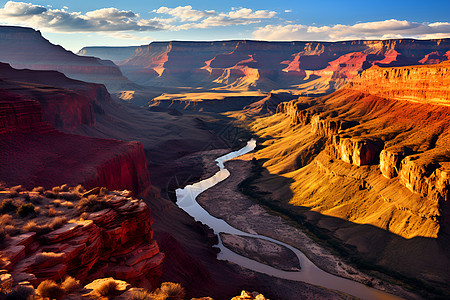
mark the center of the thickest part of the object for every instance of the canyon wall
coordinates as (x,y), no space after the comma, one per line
(66,103)
(305,67)
(423,84)
(34,153)
(369,123)
(26,48)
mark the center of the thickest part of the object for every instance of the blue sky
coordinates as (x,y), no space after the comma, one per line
(74,24)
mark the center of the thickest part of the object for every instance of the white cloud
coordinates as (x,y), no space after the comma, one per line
(288,10)
(112,19)
(241,16)
(56,20)
(185,13)
(368,30)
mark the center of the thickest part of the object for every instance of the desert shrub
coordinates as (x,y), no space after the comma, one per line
(57,223)
(57,203)
(7,206)
(171,290)
(31,226)
(51,212)
(6,220)
(25,210)
(141,294)
(70,285)
(91,204)
(38,189)
(21,293)
(107,289)
(11,230)
(50,289)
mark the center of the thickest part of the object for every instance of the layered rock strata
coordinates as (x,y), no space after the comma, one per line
(116,241)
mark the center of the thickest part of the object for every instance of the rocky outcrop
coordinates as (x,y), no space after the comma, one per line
(308,67)
(356,151)
(391,158)
(116,241)
(26,48)
(127,169)
(422,84)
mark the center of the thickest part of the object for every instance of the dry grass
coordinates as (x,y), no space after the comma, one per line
(57,223)
(70,285)
(172,290)
(141,294)
(31,226)
(91,204)
(50,289)
(6,220)
(107,289)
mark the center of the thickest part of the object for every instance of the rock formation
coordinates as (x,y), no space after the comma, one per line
(422,84)
(306,67)
(26,48)
(375,152)
(115,241)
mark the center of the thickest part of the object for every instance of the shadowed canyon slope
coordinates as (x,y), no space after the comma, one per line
(35,153)
(307,67)
(23,47)
(373,153)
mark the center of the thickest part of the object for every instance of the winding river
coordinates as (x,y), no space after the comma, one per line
(309,273)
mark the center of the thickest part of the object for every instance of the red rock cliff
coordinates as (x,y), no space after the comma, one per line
(116,241)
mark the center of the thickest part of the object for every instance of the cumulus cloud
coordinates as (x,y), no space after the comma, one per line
(112,19)
(60,20)
(211,18)
(368,30)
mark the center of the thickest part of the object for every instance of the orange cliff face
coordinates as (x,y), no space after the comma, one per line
(369,165)
(408,140)
(26,48)
(34,153)
(308,67)
(422,84)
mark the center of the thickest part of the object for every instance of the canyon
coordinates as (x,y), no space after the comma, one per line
(351,165)
(304,68)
